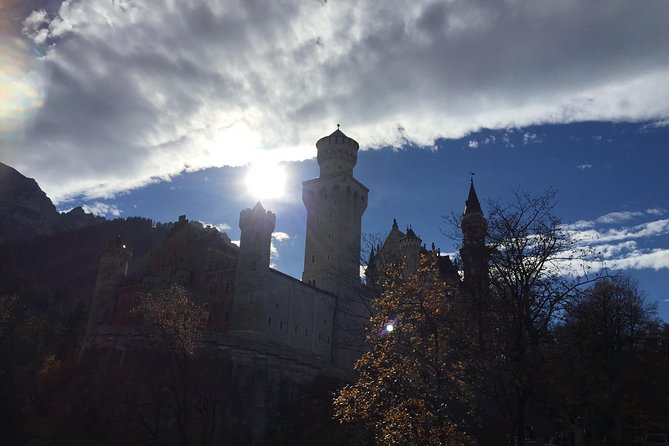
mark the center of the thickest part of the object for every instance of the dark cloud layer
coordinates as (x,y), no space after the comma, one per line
(132,91)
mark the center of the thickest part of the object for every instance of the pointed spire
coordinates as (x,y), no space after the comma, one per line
(472,205)
(258,207)
(395,223)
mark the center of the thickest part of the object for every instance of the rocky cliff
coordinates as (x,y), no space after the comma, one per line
(26,211)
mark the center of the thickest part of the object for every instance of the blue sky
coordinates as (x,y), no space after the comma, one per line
(153,109)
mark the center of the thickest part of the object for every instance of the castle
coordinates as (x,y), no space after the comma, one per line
(254,309)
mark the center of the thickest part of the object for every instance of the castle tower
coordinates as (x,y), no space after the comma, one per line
(112,272)
(248,312)
(475,262)
(335,202)
(410,246)
(474,252)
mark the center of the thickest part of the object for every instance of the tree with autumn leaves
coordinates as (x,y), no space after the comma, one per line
(412,386)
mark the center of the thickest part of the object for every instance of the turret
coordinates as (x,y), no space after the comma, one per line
(335,202)
(257,226)
(337,153)
(112,272)
(410,247)
(475,262)
(474,252)
(248,311)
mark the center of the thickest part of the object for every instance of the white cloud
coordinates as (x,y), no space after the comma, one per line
(618,217)
(277,239)
(139,91)
(280,236)
(619,247)
(473,144)
(649,229)
(221,227)
(584,166)
(654,259)
(100,209)
(530,138)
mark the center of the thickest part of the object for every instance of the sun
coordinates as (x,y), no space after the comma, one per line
(266,180)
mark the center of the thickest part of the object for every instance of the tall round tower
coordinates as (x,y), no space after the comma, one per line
(335,202)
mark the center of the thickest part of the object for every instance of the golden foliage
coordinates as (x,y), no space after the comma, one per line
(411,387)
(175,319)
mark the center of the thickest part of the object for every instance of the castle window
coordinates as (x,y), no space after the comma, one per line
(319,337)
(281,325)
(277,306)
(296,329)
(212,288)
(306,332)
(269,322)
(226,317)
(328,235)
(313,258)
(325,322)
(120,265)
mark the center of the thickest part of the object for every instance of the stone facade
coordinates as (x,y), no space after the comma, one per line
(315,319)
(319,319)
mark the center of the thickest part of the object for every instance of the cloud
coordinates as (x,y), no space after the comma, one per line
(599,245)
(650,229)
(655,259)
(277,239)
(618,217)
(473,144)
(221,227)
(530,138)
(100,209)
(280,236)
(136,92)
(584,166)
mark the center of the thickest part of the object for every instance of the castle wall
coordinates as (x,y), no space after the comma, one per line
(299,315)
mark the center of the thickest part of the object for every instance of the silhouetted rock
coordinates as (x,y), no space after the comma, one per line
(26,211)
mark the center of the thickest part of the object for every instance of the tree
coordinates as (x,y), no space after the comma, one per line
(532,281)
(411,387)
(167,398)
(175,319)
(610,379)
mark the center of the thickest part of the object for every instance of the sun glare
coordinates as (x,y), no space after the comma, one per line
(266,180)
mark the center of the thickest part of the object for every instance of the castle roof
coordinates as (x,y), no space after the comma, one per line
(337,137)
(472,205)
(411,234)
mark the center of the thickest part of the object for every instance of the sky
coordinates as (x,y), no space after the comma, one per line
(162,108)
